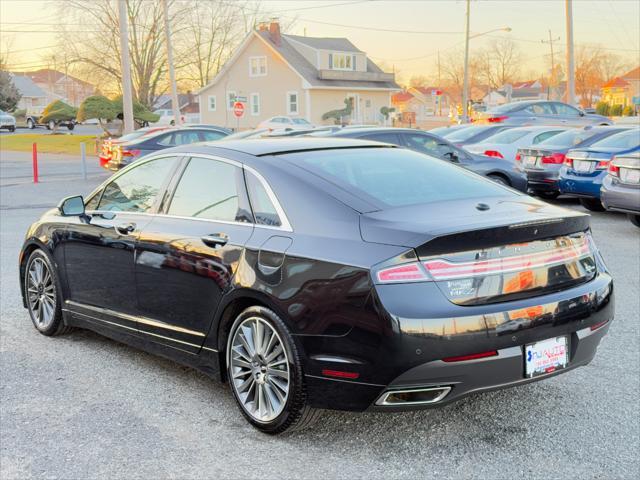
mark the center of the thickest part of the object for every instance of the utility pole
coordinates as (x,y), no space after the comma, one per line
(127,95)
(571,80)
(552,81)
(172,73)
(465,84)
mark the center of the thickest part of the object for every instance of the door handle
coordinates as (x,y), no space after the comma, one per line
(215,240)
(126,228)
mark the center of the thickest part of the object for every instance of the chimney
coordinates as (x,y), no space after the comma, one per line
(263,27)
(274,31)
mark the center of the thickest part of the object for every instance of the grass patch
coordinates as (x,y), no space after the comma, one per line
(47,143)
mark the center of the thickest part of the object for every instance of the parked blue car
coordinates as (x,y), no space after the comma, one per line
(584,169)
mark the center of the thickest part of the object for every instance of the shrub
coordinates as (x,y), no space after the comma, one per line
(58,111)
(616,111)
(628,111)
(602,108)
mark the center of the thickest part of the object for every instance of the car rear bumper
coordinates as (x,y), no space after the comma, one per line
(618,197)
(411,356)
(542,180)
(581,186)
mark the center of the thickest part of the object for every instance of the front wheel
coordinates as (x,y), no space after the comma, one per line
(592,204)
(635,219)
(42,290)
(71,126)
(265,372)
(31,124)
(51,125)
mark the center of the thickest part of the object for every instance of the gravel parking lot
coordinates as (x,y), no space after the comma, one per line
(82,406)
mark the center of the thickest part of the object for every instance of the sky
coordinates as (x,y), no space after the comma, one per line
(404,35)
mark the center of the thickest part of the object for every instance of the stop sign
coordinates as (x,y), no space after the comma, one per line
(238,109)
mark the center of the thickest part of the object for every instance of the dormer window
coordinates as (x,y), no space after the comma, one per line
(342,61)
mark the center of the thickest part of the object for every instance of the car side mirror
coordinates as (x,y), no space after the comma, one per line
(451,156)
(72,206)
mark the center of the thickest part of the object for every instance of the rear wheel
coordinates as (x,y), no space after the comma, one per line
(31,124)
(265,372)
(51,125)
(592,204)
(635,219)
(41,287)
(499,179)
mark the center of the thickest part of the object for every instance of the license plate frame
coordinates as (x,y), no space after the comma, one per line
(546,356)
(582,166)
(530,161)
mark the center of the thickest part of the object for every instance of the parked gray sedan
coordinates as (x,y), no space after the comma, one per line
(620,189)
(7,121)
(541,112)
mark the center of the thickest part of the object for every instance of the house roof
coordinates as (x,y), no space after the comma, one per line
(401,97)
(337,44)
(633,74)
(526,84)
(427,90)
(46,75)
(310,72)
(26,86)
(616,82)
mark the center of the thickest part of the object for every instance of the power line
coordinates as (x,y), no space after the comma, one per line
(373,29)
(322,6)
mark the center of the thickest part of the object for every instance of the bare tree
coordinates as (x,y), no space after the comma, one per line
(594,67)
(499,64)
(452,71)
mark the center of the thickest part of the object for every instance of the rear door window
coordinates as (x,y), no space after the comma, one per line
(210,135)
(264,211)
(212,190)
(545,136)
(566,110)
(540,109)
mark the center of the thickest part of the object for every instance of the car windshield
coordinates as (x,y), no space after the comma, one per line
(622,140)
(133,135)
(467,133)
(397,177)
(506,136)
(570,138)
(300,121)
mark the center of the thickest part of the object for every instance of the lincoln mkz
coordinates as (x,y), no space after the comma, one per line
(323,274)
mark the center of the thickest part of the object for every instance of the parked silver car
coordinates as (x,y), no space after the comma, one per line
(541,112)
(7,121)
(620,190)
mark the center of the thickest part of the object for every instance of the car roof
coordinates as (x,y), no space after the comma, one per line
(275,146)
(363,130)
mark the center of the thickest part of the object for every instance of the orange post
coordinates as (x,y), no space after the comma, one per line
(35,163)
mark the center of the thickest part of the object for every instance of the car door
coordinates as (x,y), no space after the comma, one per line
(568,115)
(99,253)
(189,252)
(540,113)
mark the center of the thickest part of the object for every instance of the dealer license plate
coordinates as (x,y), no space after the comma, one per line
(546,356)
(530,160)
(582,166)
(630,175)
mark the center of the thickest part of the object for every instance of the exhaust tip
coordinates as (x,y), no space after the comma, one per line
(414,396)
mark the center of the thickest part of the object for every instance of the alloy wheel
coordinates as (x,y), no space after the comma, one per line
(259,369)
(41,293)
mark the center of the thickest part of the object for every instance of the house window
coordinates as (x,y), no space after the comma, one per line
(212,103)
(254,99)
(342,61)
(292,103)
(231,99)
(257,66)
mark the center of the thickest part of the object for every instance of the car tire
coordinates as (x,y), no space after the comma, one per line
(43,294)
(547,195)
(71,126)
(51,125)
(12,129)
(592,204)
(172,123)
(499,179)
(31,124)
(269,390)
(635,219)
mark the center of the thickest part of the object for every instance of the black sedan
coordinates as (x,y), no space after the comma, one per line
(124,153)
(497,169)
(323,273)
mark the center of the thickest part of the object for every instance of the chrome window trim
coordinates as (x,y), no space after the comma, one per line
(286,225)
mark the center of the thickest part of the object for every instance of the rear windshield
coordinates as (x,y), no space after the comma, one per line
(132,136)
(446,131)
(506,136)
(624,140)
(467,133)
(397,177)
(570,138)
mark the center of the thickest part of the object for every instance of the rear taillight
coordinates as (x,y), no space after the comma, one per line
(518,157)
(408,272)
(497,119)
(554,158)
(603,164)
(613,169)
(493,153)
(568,162)
(130,153)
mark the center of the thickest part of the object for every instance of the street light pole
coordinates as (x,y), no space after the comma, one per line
(127,95)
(571,79)
(465,83)
(172,73)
